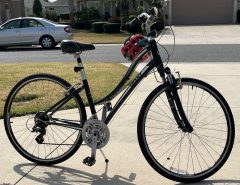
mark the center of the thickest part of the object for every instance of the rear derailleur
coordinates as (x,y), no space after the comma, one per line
(40,126)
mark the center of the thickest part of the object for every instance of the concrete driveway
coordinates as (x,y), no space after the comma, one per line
(212,34)
(127,164)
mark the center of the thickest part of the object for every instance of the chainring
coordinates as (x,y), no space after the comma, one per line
(99,129)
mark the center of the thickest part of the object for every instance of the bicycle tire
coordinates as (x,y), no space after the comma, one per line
(24,101)
(156,127)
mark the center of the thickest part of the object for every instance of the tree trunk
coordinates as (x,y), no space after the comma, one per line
(22,8)
(124,11)
(71,12)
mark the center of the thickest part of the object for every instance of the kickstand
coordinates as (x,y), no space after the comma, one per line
(104,156)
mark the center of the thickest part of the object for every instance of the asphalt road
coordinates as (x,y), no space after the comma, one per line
(112,53)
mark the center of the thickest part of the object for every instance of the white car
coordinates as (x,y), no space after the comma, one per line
(33,31)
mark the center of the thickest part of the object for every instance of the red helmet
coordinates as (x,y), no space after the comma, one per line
(131,48)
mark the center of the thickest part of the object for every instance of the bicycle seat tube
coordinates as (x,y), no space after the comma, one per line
(83,76)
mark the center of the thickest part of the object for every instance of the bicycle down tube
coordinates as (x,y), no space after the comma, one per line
(156,61)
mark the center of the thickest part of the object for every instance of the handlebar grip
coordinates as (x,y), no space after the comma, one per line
(143,17)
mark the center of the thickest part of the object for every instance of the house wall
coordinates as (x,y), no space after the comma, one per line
(1,12)
(81,4)
(61,6)
(11,9)
(4,10)
(193,12)
(17,8)
(58,9)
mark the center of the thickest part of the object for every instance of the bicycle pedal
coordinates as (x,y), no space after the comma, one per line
(89,161)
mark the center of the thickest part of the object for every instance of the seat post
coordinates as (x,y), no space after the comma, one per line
(86,85)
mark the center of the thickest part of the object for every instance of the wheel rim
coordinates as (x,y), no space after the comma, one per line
(47,42)
(187,155)
(38,95)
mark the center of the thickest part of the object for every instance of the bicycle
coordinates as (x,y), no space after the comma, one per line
(185,126)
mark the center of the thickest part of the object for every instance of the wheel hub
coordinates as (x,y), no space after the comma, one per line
(47,42)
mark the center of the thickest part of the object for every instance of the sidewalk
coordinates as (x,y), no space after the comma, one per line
(127,165)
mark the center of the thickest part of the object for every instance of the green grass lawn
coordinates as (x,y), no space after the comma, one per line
(99,38)
(103,77)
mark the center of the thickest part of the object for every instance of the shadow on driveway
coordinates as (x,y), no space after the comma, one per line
(212,182)
(58,175)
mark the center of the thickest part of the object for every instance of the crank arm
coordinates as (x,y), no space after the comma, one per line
(90,161)
(94,147)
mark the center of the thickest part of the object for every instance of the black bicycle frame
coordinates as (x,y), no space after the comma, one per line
(156,61)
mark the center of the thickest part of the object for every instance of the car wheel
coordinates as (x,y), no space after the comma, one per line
(47,42)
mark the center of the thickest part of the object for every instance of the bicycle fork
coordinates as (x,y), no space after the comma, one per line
(175,102)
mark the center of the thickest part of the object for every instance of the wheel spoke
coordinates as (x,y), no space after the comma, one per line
(33,96)
(173,150)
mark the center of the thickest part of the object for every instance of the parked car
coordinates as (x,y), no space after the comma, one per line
(33,31)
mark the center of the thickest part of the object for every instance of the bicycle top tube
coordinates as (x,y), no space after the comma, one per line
(155,62)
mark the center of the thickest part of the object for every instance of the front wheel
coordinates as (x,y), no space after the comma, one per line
(179,155)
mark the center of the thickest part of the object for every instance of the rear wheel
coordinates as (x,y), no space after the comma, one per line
(177,154)
(36,137)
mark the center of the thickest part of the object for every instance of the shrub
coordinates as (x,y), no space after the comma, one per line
(112,28)
(79,25)
(51,15)
(131,17)
(98,27)
(90,22)
(85,18)
(114,20)
(37,8)
(87,14)
(65,16)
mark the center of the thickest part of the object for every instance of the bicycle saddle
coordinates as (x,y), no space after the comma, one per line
(71,47)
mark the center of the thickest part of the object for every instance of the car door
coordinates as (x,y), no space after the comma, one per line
(10,33)
(31,31)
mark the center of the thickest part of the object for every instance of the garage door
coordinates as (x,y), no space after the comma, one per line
(186,12)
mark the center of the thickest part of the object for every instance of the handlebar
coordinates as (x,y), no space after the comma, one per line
(149,17)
